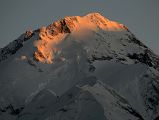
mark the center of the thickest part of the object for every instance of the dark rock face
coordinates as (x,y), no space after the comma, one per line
(28,35)
(148,58)
(136,41)
(151,96)
(65,25)
(142,57)
(133,112)
(101,58)
(157,118)
(10,49)
(11,110)
(14,46)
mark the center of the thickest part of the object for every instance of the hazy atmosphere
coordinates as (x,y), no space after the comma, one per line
(141,16)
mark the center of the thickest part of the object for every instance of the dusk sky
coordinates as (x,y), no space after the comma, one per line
(140,16)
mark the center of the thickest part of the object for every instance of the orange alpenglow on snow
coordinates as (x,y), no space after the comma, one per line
(46,46)
(52,35)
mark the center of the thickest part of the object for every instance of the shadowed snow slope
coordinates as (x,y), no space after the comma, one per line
(79,68)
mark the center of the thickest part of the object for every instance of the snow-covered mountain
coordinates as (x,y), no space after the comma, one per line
(79,68)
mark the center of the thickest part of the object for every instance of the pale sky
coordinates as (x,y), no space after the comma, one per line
(140,16)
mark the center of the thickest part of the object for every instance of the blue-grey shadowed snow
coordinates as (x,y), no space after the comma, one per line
(19,15)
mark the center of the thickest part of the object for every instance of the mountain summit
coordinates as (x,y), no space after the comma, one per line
(90,21)
(75,26)
(79,68)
